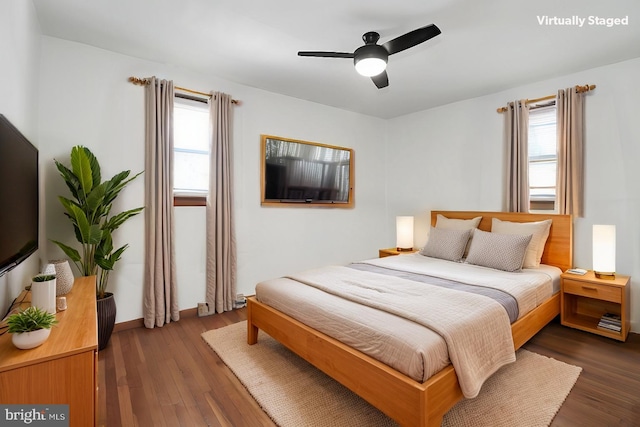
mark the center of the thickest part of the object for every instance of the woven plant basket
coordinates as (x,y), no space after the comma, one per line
(106,319)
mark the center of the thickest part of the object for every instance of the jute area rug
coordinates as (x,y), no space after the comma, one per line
(293,393)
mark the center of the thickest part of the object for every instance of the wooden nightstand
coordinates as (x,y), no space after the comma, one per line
(393,251)
(584,299)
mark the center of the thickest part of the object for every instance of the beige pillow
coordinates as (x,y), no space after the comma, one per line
(459,224)
(446,244)
(538,230)
(500,251)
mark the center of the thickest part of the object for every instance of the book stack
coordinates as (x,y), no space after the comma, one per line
(610,322)
(240,301)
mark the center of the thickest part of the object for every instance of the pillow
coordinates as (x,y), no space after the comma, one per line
(538,230)
(459,224)
(446,244)
(500,251)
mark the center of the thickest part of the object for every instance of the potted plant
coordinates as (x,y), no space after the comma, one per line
(30,327)
(90,212)
(43,292)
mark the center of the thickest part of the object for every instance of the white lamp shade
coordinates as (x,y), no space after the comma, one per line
(404,232)
(604,249)
(370,66)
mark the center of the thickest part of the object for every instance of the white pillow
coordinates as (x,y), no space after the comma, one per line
(459,224)
(446,244)
(539,232)
(500,251)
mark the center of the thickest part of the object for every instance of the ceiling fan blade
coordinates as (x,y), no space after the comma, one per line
(412,38)
(381,80)
(327,54)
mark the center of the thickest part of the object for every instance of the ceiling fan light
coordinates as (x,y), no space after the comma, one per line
(370,59)
(370,66)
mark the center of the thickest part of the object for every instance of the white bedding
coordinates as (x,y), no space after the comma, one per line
(403,344)
(530,287)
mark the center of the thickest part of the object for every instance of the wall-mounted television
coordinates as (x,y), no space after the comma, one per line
(303,173)
(18,197)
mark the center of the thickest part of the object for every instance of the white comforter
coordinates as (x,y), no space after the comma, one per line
(530,287)
(476,328)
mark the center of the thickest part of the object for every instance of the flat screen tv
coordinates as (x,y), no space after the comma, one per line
(18,197)
(305,173)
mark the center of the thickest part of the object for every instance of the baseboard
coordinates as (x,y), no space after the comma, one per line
(131,324)
(139,323)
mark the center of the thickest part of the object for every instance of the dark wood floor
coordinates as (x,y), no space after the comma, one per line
(170,377)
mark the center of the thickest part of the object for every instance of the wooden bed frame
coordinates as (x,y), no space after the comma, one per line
(407,401)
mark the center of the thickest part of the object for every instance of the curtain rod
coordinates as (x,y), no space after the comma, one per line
(579,89)
(145,81)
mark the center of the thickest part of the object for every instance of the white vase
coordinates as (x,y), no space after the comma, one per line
(27,340)
(64,276)
(43,295)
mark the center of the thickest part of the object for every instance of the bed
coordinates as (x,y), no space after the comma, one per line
(414,402)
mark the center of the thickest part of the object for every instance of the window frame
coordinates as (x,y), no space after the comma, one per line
(189,198)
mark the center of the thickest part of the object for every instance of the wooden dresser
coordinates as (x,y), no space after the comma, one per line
(64,369)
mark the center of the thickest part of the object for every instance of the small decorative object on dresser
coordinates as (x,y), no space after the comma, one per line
(600,306)
(43,292)
(30,327)
(64,276)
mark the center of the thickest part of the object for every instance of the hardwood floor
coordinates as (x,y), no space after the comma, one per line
(170,377)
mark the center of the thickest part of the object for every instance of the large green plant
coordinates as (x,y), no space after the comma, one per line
(89,210)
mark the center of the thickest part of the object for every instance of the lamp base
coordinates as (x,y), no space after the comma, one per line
(605,275)
(404,249)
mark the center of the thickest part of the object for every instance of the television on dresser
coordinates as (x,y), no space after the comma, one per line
(19,197)
(302,173)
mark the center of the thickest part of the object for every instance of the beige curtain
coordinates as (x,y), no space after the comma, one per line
(160,295)
(570,128)
(221,242)
(517,131)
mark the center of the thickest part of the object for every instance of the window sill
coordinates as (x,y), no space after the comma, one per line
(542,206)
(189,200)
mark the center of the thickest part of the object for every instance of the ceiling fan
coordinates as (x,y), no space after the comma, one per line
(371,59)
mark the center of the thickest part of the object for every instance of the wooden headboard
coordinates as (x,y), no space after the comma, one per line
(558,250)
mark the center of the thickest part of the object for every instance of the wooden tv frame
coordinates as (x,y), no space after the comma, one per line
(264,201)
(409,402)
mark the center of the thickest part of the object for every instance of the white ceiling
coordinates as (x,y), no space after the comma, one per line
(485,46)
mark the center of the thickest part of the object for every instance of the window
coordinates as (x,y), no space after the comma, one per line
(190,151)
(543,158)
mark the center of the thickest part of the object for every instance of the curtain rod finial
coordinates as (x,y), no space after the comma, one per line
(138,81)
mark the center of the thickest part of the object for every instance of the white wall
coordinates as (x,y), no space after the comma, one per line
(85,99)
(19,53)
(456,157)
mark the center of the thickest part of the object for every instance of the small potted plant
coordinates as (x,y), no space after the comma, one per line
(30,327)
(43,292)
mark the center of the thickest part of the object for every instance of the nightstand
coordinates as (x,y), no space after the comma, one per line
(584,299)
(393,251)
